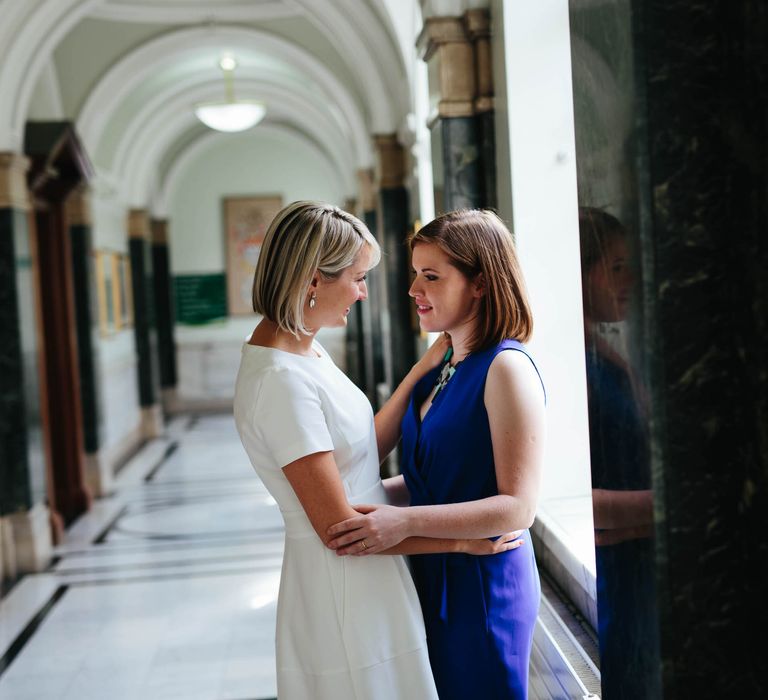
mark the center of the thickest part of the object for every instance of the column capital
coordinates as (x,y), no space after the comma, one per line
(438,31)
(390,161)
(449,52)
(477,23)
(14,193)
(159,229)
(78,207)
(366,189)
(138,224)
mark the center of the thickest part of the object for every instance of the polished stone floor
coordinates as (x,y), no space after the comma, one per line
(166,590)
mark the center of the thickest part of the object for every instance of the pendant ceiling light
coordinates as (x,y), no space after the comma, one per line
(231,114)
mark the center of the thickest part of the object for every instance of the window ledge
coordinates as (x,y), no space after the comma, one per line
(563,537)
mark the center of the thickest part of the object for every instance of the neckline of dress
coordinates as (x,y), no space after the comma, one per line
(318,356)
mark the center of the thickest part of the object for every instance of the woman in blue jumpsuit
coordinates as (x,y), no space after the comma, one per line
(472,446)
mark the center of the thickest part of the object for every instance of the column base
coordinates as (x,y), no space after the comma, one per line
(8,568)
(98,474)
(152,425)
(28,534)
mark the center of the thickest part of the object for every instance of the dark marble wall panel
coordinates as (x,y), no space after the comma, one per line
(395,219)
(671,107)
(462,177)
(486,131)
(703,69)
(166,346)
(144,320)
(83,289)
(22,461)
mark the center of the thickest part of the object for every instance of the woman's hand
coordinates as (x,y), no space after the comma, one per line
(379,527)
(434,355)
(505,543)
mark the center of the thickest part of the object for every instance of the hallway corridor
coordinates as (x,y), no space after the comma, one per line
(166,589)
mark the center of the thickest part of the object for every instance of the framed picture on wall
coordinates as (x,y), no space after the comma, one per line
(105,291)
(123,291)
(246,220)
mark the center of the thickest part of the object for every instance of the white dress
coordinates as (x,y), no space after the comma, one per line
(347,627)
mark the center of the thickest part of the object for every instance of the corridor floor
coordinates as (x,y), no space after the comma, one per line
(167,589)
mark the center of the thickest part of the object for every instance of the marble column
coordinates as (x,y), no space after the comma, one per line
(702,88)
(674,138)
(450,55)
(164,312)
(394,226)
(78,217)
(372,357)
(145,332)
(478,27)
(24,518)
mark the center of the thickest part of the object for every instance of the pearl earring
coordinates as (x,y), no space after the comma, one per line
(312,300)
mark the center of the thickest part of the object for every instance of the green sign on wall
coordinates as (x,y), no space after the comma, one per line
(200,298)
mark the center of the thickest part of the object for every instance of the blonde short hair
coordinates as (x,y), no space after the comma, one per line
(304,237)
(479,244)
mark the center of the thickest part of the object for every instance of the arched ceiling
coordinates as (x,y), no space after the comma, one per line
(332,71)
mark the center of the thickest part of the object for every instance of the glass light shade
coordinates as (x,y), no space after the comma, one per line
(230,116)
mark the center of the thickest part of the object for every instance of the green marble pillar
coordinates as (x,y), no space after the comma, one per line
(22,461)
(163,296)
(458,56)
(145,320)
(394,228)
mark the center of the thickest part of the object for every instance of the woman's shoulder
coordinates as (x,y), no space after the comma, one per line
(514,368)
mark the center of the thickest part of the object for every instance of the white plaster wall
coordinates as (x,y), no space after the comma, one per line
(240,164)
(243,164)
(537,195)
(117,361)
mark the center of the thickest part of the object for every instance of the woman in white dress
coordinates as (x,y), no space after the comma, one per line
(347,627)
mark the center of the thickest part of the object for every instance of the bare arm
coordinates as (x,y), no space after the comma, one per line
(387,420)
(612,509)
(397,491)
(515,406)
(315,479)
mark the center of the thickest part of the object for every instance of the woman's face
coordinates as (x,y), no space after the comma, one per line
(336,296)
(445,299)
(608,284)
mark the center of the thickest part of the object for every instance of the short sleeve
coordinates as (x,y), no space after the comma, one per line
(290,417)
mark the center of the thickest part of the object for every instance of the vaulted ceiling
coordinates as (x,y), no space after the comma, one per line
(128,72)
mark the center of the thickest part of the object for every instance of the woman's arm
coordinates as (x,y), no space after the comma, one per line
(316,482)
(315,479)
(396,490)
(515,406)
(387,420)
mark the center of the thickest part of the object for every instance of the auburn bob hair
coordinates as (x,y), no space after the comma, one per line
(480,246)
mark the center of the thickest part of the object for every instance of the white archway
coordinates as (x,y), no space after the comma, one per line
(126,75)
(144,145)
(160,205)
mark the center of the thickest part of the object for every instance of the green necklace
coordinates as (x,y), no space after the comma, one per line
(445,373)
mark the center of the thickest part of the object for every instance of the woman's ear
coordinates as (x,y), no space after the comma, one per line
(479,286)
(315,280)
